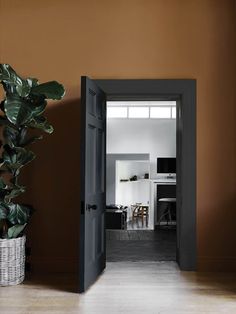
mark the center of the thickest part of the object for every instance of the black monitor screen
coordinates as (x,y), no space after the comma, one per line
(166,165)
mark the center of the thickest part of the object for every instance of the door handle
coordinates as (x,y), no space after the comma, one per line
(93,207)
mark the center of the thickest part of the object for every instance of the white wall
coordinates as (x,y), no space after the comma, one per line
(156,137)
(132,192)
(111,172)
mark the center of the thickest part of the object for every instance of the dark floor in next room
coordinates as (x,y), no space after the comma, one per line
(141,245)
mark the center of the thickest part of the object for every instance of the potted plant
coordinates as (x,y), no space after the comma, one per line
(22,110)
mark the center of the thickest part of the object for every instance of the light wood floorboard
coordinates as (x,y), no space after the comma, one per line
(126,288)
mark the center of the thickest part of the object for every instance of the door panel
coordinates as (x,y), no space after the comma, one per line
(93,198)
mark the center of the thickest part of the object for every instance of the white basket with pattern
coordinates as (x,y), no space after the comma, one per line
(12,261)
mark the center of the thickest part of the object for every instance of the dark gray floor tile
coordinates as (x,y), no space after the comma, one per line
(143,245)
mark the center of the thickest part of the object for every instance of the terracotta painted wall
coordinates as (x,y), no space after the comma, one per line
(58,39)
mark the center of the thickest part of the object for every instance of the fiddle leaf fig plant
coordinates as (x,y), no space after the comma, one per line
(21,110)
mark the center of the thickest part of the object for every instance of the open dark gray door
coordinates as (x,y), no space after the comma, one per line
(93,192)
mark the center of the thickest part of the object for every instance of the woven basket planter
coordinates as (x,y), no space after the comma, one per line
(12,261)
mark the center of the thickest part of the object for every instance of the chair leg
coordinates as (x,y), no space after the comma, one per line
(141,215)
(170,216)
(133,214)
(165,213)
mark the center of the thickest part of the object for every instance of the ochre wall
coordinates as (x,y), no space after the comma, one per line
(62,40)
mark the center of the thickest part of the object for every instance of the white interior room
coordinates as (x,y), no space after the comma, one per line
(138,132)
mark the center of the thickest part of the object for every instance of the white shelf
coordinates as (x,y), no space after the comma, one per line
(140,180)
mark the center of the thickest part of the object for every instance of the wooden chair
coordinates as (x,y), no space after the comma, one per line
(140,211)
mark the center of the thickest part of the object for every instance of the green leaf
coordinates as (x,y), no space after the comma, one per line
(5,121)
(14,191)
(37,106)
(41,123)
(14,231)
(32,81)
(10,136)
(22,135)
(2,184)
(23,88)
(16,157)
(24,156)
(51,90)
(37,111)
(18,214)
(17,110)
(8,74)
(9,155)
(3,190)
(13,80)
(3,210)
(8,192)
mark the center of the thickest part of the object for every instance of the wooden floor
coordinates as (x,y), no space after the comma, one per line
(126,288)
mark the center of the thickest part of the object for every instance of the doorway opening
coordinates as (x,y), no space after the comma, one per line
(94,95)
(141,181)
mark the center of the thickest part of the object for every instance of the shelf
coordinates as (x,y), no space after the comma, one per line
(140,180)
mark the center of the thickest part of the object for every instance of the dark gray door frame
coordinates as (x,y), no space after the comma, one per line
(184,92)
